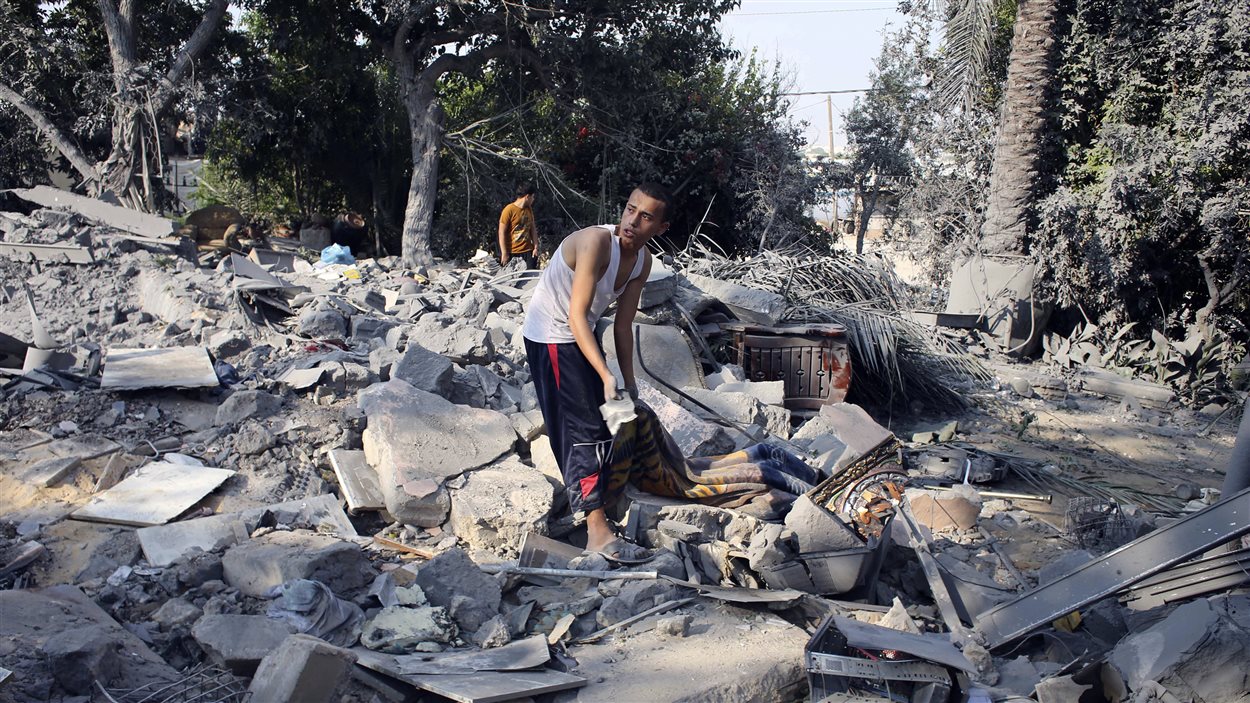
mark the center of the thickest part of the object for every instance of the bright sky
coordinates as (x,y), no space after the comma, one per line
(822,44)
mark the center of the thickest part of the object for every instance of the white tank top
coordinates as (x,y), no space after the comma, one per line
(547,319)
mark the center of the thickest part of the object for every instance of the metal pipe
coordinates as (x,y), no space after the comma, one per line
(999,494)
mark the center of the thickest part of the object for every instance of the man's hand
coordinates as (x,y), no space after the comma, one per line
(504,259)
(610,390)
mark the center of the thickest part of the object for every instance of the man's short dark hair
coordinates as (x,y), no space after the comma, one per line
(524,188)
(651,189)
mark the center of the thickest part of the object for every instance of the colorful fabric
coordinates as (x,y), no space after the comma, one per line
(518,222)
(762,480)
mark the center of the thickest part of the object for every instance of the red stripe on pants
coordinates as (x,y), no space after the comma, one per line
(554,352)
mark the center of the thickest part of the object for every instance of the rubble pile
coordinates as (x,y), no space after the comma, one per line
(242,470)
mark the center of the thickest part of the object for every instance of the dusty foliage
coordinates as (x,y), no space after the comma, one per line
(893,358)
(1197,367)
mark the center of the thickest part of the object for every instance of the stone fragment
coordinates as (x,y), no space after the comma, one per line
(456,339)
(846,432)
(259,564)
(1197,653)
(303,668)
(247,404)
(424,370)
(818,530)
(694,436)
(415,440)
(252,438)
(324,323)
(767,392)
(957,508)
(239,642)
(1021,387)
(674,626)
(498,505)
(529,425)
(494,633)
(176,613)
(659,286)
(369,328)
(403,630)
(749,304)
(451,575)
(228,343)
(79,657)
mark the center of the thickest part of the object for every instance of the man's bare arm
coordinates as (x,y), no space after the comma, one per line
(622,328)
(505,251)
(590,250)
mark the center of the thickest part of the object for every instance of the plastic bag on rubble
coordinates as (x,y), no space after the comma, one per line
(312,608)
(337,254)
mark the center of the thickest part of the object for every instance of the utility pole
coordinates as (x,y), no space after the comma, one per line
(829,110)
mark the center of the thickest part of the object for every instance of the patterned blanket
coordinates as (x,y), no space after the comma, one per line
(762,480)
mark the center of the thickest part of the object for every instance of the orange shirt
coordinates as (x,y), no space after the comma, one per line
(519,222)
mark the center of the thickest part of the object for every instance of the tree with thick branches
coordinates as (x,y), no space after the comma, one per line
(143,90)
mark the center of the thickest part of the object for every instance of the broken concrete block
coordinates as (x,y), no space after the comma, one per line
(85,641)
(544,459)
(239,642)
(322,324)
(416,440)
(367,328)
(767,392)
(634,598)
(424,370)
(957,508)
(303,668)
(748,304)
(243,405)
(176,613)
(659,286)
(818,530)
(849,427)
(694,437)
(498,505)
(259,564)
(474,305)
(738,407)
(1198,652)
(456,339)
(666,352)
(228,343)
(529,425)
(402,630)
(453,581)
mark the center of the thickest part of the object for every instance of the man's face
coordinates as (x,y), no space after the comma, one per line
(644,218)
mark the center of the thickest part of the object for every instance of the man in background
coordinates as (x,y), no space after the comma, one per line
(517,235)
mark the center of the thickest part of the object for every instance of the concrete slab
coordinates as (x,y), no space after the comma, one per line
(416,440)
(749,304)
(163,544)
(498,505)
(741,656)
(259,564)
(153,494)
(177,367)
(357,480)
(114,216)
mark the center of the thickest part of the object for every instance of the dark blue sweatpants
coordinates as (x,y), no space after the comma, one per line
(569,395)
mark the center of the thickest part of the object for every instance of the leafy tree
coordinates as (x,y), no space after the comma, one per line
(882,126)
(52,74)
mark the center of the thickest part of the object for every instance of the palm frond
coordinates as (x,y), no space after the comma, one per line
(893,357)
(968,49)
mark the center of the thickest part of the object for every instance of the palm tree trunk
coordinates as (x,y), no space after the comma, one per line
(1019,170)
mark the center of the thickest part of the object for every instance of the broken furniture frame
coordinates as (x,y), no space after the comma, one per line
(1124,567)
(813,361)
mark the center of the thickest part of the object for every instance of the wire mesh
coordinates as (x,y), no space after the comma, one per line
(202,684)
(1098,525)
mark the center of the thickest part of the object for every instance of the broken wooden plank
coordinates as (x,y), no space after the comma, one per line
(176,367)
(57,253)
(358,480)
(401,547)
(114,216)
(165,543)
(153,495)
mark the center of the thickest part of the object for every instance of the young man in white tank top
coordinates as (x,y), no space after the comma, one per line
(592,267)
